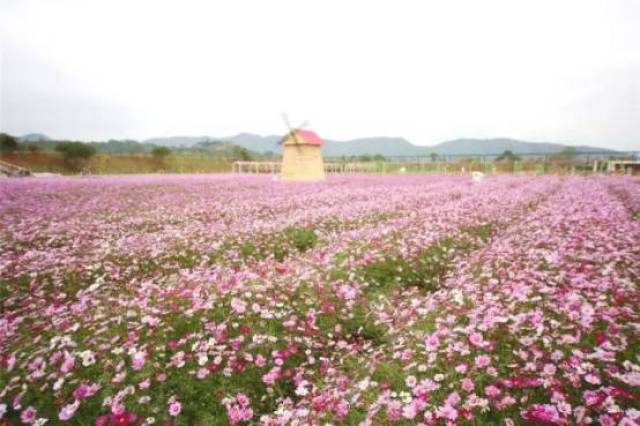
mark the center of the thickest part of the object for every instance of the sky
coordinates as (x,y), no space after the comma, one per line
(563,71)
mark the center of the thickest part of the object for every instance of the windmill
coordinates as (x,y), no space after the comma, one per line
(292,130)
(301,154)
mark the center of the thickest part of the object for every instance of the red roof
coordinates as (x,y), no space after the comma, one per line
(308,137)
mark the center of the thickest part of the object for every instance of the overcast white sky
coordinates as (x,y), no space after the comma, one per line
(541,70)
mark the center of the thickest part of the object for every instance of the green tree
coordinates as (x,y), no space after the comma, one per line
(33,148)
(508,156)
(160,152)
(568,152)
(239,153)
(75,153)
(8,143)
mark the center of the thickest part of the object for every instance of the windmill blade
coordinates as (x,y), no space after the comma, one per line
(300,126)
(285,118)
(292,131)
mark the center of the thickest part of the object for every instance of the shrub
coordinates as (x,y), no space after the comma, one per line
(160,152)
(75,153)
(8,143)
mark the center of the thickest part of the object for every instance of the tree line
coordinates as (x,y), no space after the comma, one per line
(76,154)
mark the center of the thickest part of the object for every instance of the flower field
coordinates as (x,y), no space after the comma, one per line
(206,300)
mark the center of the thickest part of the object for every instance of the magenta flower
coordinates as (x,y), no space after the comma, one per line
(482,361)
(123,419)
(238,305)
(28,415)
(175,408)
(68,411)
(544,414)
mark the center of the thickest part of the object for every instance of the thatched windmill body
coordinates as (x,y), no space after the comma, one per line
(301,156)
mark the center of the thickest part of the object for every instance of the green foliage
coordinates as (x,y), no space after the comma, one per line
(390,372)
(377,158)
(301,238)
(160,152)
(361,325)
(279,245)
(425,271)
(75,154)
(428,268)
(508,156)
(568,152)
(8,143)
(240,153)
(76,150)
(33,148)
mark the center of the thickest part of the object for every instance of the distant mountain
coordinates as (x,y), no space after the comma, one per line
(257,143)
(221,149)
(178,141)
(387,146)
(499,145)
(371,146)
(34,137)
(363,146)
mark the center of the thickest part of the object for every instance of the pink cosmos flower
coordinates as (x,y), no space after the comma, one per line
(238,414)
(482,361)
(138,360)
(468,385)
(631,378)
(55,357)
(238,409)
(117,407)
(271,377)
(409,411)
(28,415)
(243,400)
(447,412)
(342,409)
(68,363)
(491,391)
(461,368)
(85,391)
(476,339)
(123,419)
(68,411)
(260,361)
(453,399)
(347,292)
(202,373)
(592,378)
(605,420)
(394,410)
(543,413)
(175,408)
(239,306)
(432,342)
(102,421)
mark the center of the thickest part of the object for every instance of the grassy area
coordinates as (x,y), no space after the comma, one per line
(52,162)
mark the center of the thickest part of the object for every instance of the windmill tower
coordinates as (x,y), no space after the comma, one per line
(301,155)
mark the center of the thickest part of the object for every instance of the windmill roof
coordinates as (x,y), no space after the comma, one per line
(308,137)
